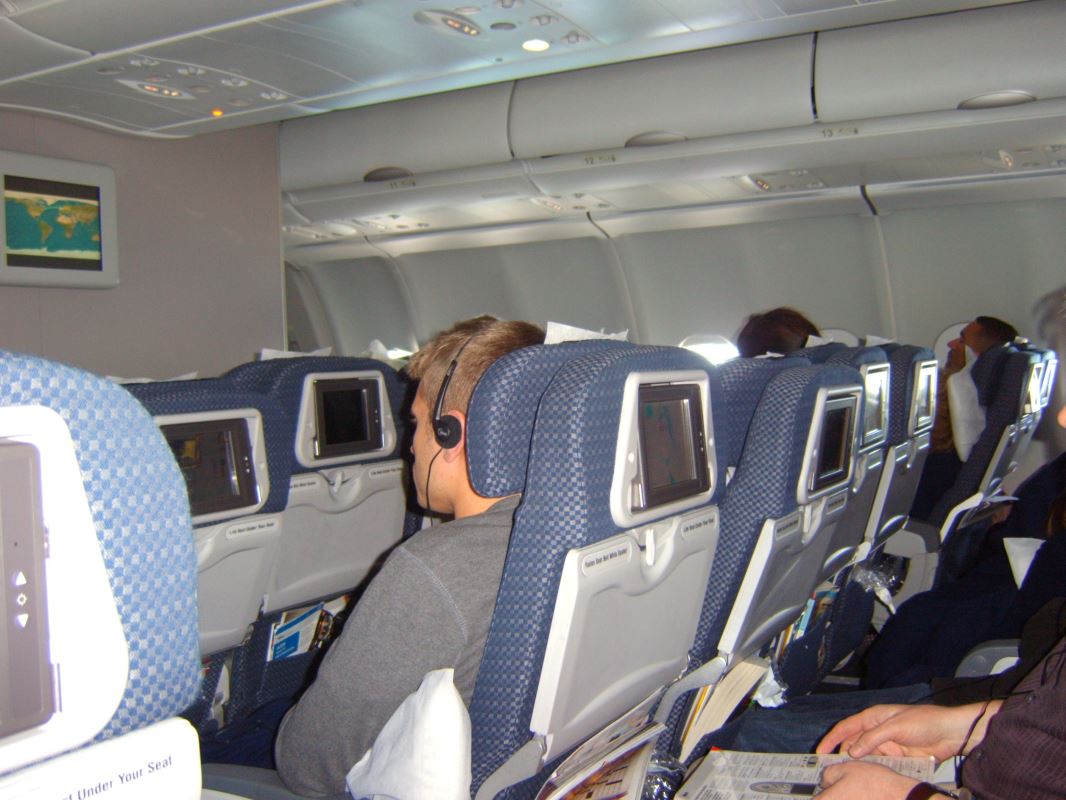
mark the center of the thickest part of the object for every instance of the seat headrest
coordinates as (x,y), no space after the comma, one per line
(857,356)
(218,394)
(743,382)
(987,371)
(902,359)
(820,354)
(140,511)
(283,379)
(503,408)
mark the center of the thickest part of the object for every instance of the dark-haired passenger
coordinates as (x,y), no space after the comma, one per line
(943,463)
(431,604)
(780,330)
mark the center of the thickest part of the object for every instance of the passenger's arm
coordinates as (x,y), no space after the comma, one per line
(922,730)
(403,626)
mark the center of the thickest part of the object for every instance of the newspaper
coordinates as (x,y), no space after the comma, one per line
(731,775)
(607,765)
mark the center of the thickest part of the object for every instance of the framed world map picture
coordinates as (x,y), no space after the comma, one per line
(59,223)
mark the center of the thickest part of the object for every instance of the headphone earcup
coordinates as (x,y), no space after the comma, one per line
(448,431)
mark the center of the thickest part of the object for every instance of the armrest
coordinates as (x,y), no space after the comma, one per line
(989,658)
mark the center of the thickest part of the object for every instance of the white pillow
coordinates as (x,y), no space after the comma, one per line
(423,752)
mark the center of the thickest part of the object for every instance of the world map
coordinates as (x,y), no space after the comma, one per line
(45,225)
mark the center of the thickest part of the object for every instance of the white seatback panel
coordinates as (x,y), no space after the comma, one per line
(625,618)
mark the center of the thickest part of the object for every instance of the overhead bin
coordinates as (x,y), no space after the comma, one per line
(748,87)
(392,141)
(972,59)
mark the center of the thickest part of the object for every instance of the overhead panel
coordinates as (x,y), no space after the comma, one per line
(1014,53)
(751,87)
(22,52)
(109,106)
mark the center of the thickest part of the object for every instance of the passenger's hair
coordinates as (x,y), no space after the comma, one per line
(779,330)
(996,330)
(482,340)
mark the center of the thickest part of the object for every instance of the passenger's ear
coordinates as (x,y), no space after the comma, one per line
(459,450)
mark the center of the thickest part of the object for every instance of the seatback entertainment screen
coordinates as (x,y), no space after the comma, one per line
(834,443)
(347,416)
(672,443)
(216,459)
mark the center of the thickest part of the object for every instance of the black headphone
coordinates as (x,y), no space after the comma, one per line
(447,429)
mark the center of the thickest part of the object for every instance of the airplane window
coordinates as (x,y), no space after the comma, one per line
(716,349)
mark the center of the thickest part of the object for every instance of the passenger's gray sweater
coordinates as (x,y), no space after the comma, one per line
(428,608)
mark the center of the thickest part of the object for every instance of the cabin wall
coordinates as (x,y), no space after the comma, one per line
(201,286)
(908,273)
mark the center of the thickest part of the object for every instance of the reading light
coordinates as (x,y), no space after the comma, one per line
(155,89)
(535,45)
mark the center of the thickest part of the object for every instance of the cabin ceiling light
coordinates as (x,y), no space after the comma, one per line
(155,89)
(448,22)
(1012,97)
(535,45)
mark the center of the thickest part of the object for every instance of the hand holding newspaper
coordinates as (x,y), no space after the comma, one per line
(731,775)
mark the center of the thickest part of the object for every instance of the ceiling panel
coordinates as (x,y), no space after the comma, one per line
(23,53)
(331,54)
(105,25)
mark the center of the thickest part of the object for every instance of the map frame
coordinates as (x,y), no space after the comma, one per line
(70,182)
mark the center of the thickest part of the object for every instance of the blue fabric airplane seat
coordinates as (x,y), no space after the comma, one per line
(846,607)
(1006,380)
(790,487)
(346,502)
(345,509)
(234,448)
(499,430)
(911,411)
(872,364)
(110,599)
(209,423)
(743,381)
(541,691)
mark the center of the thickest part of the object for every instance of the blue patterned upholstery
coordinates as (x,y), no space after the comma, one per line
(566,505)
(217,394)
(138,503)
(743,382)
(763,487)
(822,353)
(283,378)
(1000,375)
(503,407)
(902,359)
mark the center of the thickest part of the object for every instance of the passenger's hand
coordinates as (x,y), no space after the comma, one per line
(902,730)
(862,781)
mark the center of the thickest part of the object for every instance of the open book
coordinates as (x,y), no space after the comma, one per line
(731,775)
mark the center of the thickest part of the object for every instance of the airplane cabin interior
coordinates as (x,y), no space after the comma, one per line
(229,225)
